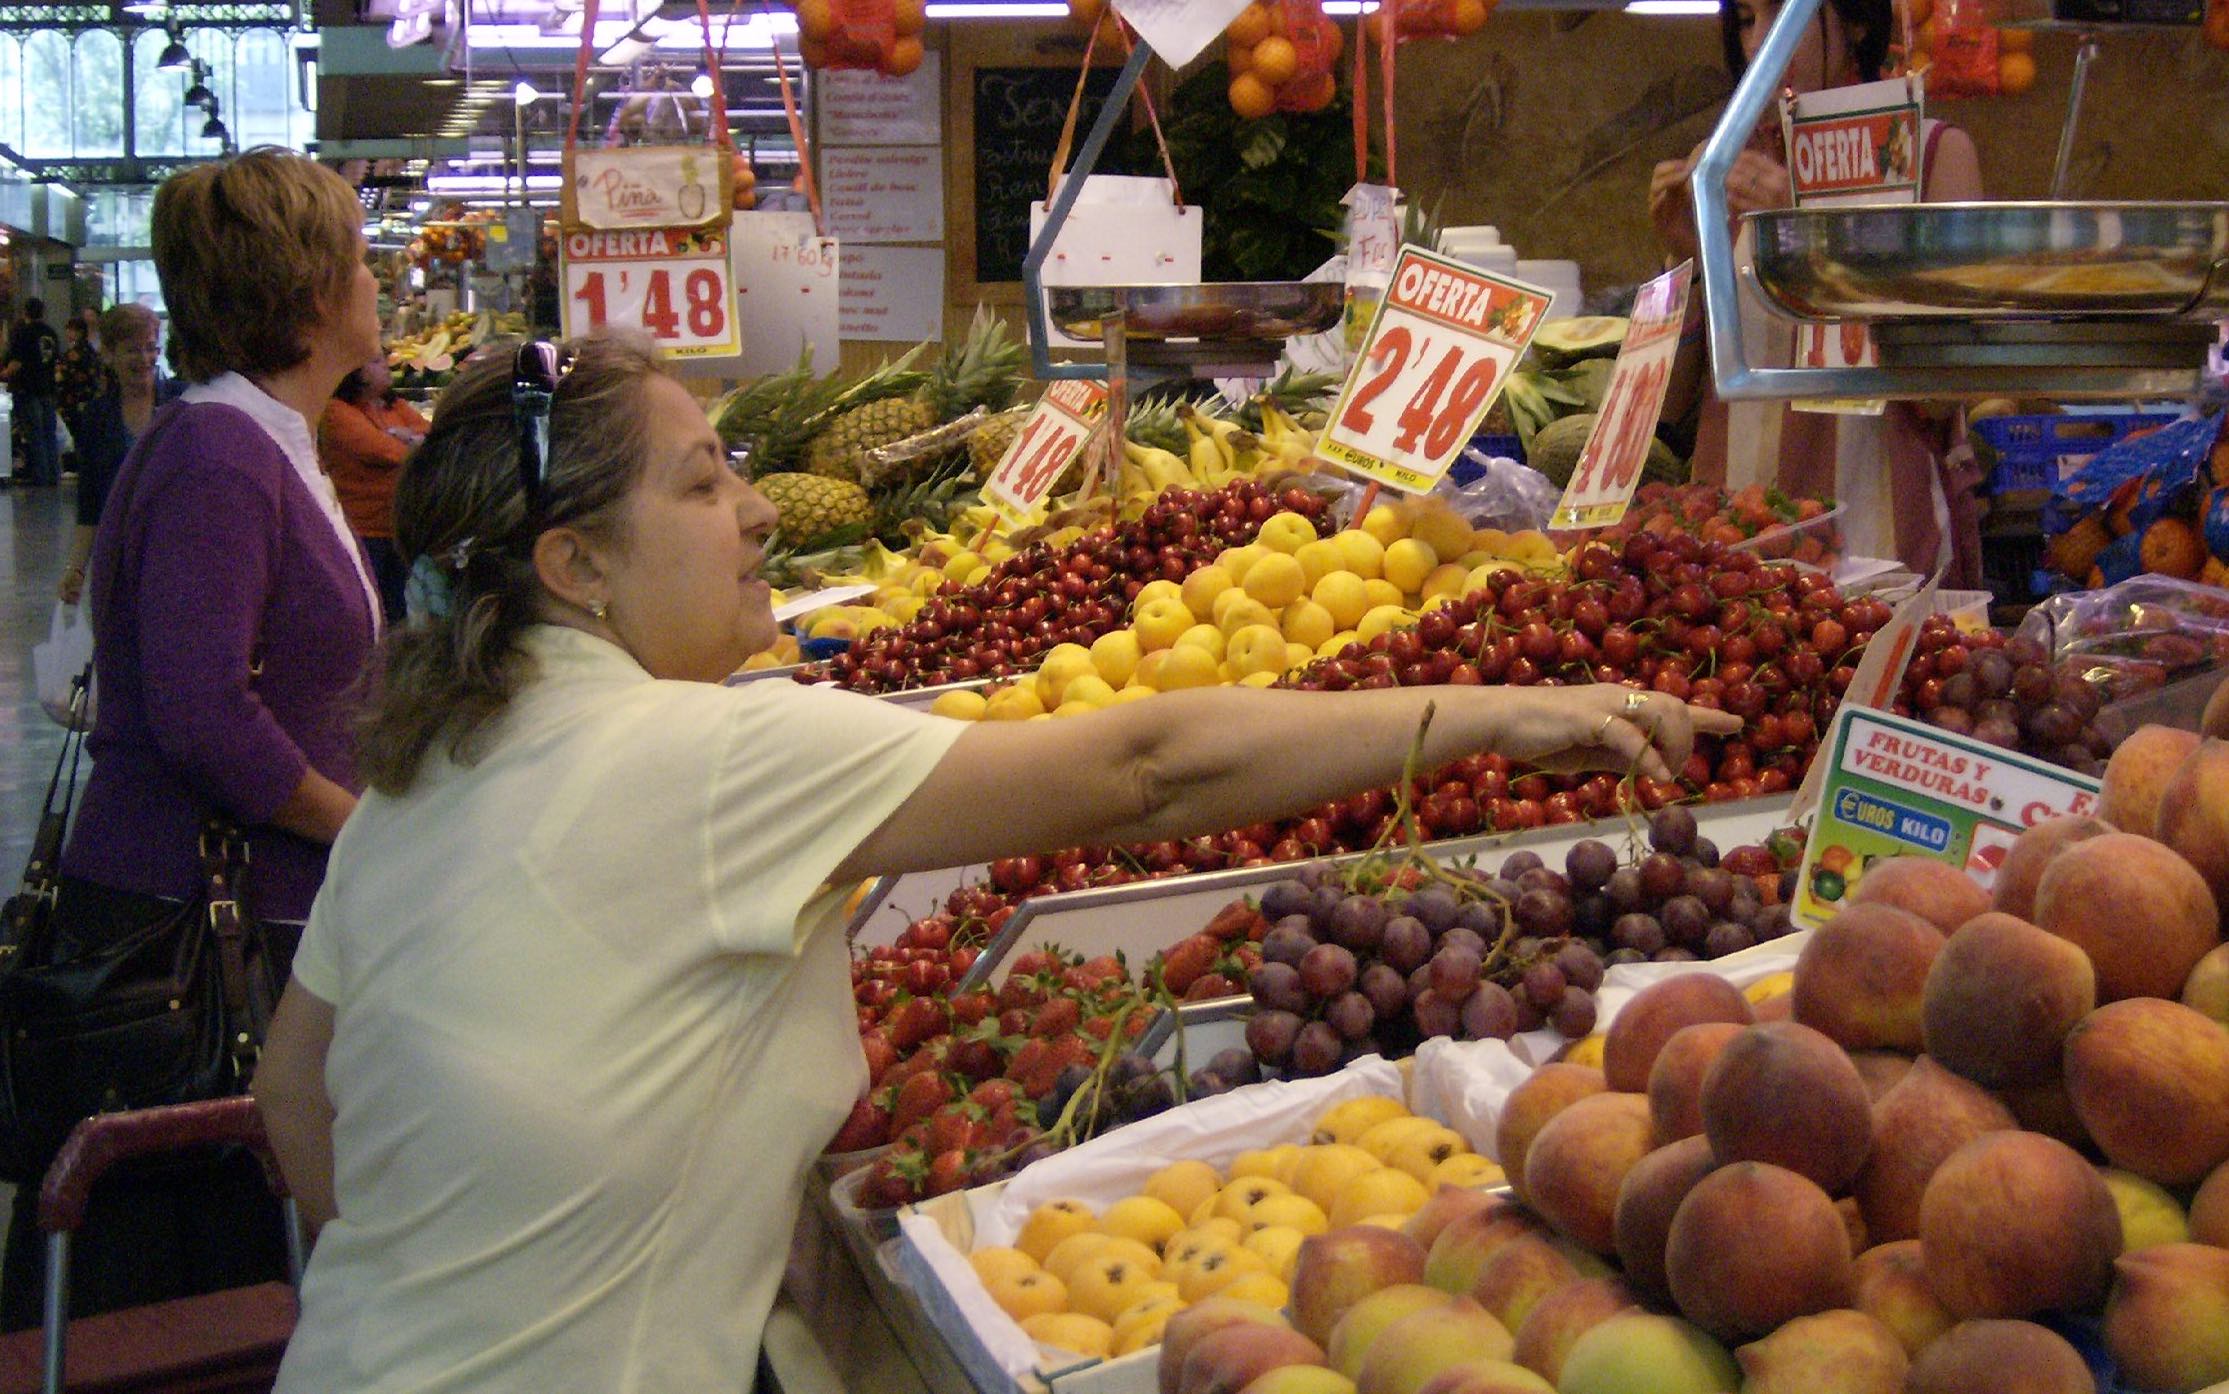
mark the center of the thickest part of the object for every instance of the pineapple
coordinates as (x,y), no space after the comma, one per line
(983,370)
(776,418)
(993,439)
(1298,395)
(817,512)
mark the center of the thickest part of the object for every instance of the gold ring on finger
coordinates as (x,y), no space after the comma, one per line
(1635,703)
(1608,719)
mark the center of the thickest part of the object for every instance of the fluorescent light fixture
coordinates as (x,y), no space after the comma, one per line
(199,94)
(701,85)
(1350,7)
(490,183)
(525,94)
(147,7)
(174,58)
(1663,9)
(441,82)
(959,10)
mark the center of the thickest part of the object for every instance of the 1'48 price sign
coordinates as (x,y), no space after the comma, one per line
(1059,426)
(1609,469)
(674,286)
(1436,356)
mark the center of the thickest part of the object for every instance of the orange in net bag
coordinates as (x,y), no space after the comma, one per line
(881,36)
(1430,19)
(1963,51)
(1282,56)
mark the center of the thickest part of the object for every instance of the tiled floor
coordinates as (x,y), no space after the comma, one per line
(34,536)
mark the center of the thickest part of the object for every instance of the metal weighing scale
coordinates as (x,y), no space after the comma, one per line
(2054,299)
(1160,333)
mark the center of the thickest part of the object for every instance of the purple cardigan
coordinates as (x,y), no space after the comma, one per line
(230,631)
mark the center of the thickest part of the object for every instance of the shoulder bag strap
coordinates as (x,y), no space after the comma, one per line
(223,852)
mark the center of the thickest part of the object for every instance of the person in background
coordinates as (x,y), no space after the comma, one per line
(34,350)
(132,386)
(232,616)
(1895,472)
(366,434)
(77,381)
(571,1018)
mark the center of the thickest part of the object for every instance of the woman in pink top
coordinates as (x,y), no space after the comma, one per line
(1907,500)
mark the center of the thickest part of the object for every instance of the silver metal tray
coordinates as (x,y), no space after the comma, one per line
(1226,312)
(2017,261)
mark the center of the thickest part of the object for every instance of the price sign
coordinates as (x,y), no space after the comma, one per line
(1441,344)
(1064,419)
(1609,469)
(1898,788)
(675,286)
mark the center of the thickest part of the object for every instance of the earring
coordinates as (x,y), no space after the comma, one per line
(598,608)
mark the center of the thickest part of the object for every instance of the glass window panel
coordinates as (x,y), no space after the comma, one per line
(11,93)
(46,96)
(97,96)
(158,121)
(264,80)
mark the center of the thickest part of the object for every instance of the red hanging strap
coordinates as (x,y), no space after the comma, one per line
(580,72)
(1153,119)
(1361,100)
(717,116)
(1067,141)
(804,148)
(1391,12)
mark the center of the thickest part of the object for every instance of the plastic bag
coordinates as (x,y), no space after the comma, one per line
(2143,505)
(1507,495)
(2134,636)
(56,664)
(1431,19)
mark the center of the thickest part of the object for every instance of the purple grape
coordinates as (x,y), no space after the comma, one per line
(1960,690)
(1270,1036)
(1592,913)
(1745,901)
(1573,1016)
(1771,922)
(1205,1084)
(1235,1066)
(1435,906)
(1705,853)
(1358,923)
(1620,957)
(1490,1014)
(1287,898)
(1326,898)
(1351,1015)
(1956,720)
(1435,1015)
(1580,966)
(1484,918)
(1998,732)
(1288,941)
(1713,886)
(1544,985)
(1146,1097)
(1316,1049)
(1454,973)
(1789,880)
(1387,990)
(1675,954)
(1685,919)
(1460,938)
(1033,1154)
(1672,829)
(1544,913)
(1725,938)
(1590,864)
(2053,725)
(1406,944)
(1277,987)
(1502,890)
(1419,980)
(1662,877)
(1992,673)
(1517,864)
(1541,878)
(1327,971)
(1529,1017)
(1640,933)
(1625,890)
(1312,875)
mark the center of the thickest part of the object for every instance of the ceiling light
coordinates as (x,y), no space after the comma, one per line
(524,94)
(1672,8)
(983,11)
(702,85)
(147,7)
(174,58)
(443,82)
(199,94)
(213,129)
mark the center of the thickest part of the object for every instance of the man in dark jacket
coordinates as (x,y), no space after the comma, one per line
(34,350)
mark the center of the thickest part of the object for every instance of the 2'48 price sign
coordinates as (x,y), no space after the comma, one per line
(1060,425)
(1602,484)
(674,286)
(1435,358)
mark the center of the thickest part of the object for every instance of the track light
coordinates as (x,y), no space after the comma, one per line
(701,85)
(199,94)
(213,129)
(174,57)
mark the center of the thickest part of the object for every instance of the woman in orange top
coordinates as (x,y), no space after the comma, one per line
(366,435)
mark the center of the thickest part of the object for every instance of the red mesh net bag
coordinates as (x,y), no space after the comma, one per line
(1962,52)
(1430,19)
(1283,56)
(881,36)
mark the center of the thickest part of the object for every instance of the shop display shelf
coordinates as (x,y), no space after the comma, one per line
(1145,917)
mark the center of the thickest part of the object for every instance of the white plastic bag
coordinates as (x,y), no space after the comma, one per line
(56,664)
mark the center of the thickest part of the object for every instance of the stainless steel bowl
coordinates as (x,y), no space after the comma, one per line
(1224,312)
(1997,260)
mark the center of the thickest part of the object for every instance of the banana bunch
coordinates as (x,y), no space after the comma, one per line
(1292,444)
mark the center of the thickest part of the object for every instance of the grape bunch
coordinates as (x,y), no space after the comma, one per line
(1351,968)
(2005,692)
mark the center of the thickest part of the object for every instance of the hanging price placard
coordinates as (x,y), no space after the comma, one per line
(1061,424)
(1609,469)
(674,286)
(1438,351)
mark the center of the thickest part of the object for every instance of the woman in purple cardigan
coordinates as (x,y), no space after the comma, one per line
(233,613)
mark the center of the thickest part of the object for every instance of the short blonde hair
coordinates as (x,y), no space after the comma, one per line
(127,322)
(251,252)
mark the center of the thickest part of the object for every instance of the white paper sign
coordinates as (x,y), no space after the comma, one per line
(1438,353)
(672,286)
(884,194)
(859,107)
(892,294)
(1125,230)
(1609,468)
(647,186)
(785,292)
(1179,30)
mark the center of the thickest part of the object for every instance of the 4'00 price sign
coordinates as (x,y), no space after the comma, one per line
(1609,469)
(674,286)
(1059,426)
(1436,356)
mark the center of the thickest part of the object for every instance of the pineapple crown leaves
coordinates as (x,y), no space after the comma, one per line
(983,370)
(777,417)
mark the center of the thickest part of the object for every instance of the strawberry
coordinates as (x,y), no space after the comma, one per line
(913,1021)
(1099,1027)
(1186,960)
(880,1054)
(868,1126)
(916,1099)
(1234,921)
(948,1172)
(1036,962)
(1071,1050)
(953,1126)
(977,1057)
(971,1007)
(994,1094)
(1014,1021)
(1019,993)
(1210,985)
(1056,1017)
(893,1179)
(1035,1066)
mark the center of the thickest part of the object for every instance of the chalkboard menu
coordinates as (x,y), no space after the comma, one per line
(1018,115)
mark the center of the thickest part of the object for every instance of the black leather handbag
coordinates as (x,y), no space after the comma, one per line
(101,1018)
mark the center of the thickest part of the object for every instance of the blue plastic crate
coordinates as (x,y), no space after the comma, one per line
(2036,452)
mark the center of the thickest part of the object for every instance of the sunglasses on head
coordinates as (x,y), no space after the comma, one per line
(536,373)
